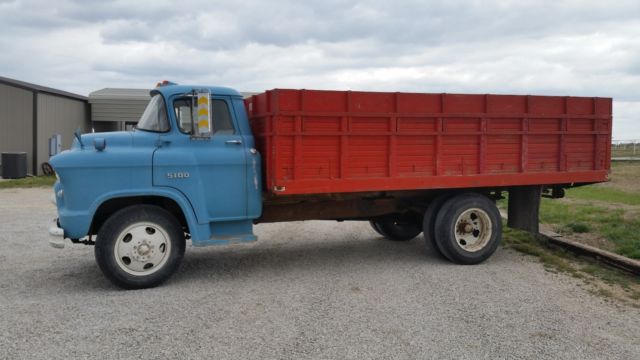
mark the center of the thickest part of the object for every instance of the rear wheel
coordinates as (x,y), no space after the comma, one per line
(375,227)
(429,222)
(397,227)
(140,247)
(468,228)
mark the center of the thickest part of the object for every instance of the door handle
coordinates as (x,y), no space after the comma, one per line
(160,143)
(237,142)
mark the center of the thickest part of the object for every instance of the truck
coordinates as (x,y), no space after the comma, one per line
(206,165)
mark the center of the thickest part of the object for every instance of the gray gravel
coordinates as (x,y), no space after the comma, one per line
(305,290)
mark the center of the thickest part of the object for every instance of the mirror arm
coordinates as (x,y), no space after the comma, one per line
(193,128)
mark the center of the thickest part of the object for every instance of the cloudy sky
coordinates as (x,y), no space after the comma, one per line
(580,47)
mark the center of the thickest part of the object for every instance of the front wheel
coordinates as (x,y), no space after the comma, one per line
(468,228)
(140,246)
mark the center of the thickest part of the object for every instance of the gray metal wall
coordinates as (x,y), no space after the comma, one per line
(113,108)
(16,121)
(117,110)
(59,115)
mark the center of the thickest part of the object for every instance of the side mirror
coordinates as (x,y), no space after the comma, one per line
(99,144)
(203,111)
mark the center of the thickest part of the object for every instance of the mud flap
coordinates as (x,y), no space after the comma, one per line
(524,208)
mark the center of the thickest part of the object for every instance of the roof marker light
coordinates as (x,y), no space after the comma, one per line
(165,83)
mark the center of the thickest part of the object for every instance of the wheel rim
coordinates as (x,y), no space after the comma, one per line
(473,230)
(142,249)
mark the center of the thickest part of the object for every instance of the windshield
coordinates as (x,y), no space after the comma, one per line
(154,117)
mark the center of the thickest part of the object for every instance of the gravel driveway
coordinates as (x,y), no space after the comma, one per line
(304,290)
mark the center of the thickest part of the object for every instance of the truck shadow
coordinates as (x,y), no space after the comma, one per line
(245,260)
(265,260)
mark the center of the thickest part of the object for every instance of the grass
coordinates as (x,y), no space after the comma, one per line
(614,225)
(608,212)
(528,244)
(603,281)
(28,182)
(627,150)
(605,194)
(578,227)
(618,226)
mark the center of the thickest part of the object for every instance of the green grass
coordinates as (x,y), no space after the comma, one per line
(618,226)
(623,231)
(577,227)
(28,182)
(625,151)
(528,244)
(605,194)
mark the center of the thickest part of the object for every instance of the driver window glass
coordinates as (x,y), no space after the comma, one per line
(220,116)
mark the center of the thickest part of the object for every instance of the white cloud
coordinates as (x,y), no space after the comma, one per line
(582,48)
(626,122)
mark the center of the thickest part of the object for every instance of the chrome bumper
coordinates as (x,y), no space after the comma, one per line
(56,235)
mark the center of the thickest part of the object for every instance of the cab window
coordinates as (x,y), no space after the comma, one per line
(220,116)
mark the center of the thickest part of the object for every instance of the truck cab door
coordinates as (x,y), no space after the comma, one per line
(210,171)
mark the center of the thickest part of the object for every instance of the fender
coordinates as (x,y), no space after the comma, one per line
(179,198)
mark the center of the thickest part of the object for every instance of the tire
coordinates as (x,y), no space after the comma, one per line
(47,169)
(375,227)
(468,228)
(429,222)
(140,246)
(397,227)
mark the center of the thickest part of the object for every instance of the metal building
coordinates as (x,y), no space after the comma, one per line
(30,114)
(117,109)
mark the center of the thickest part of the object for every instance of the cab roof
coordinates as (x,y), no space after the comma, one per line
(169,90)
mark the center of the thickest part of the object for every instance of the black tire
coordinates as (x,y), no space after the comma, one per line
(429,222)
(468,228)
(47,169)
(140,227)
(375,227)
(397,227)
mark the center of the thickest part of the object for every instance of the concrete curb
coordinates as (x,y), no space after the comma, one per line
(609,258)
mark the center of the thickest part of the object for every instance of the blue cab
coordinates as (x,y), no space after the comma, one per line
(142,191)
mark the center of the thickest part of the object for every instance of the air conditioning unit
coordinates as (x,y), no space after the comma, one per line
(14,165)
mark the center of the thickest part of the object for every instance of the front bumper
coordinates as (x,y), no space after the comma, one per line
(56,235)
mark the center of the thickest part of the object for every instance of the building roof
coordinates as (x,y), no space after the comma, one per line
(120,94)
(40,89)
